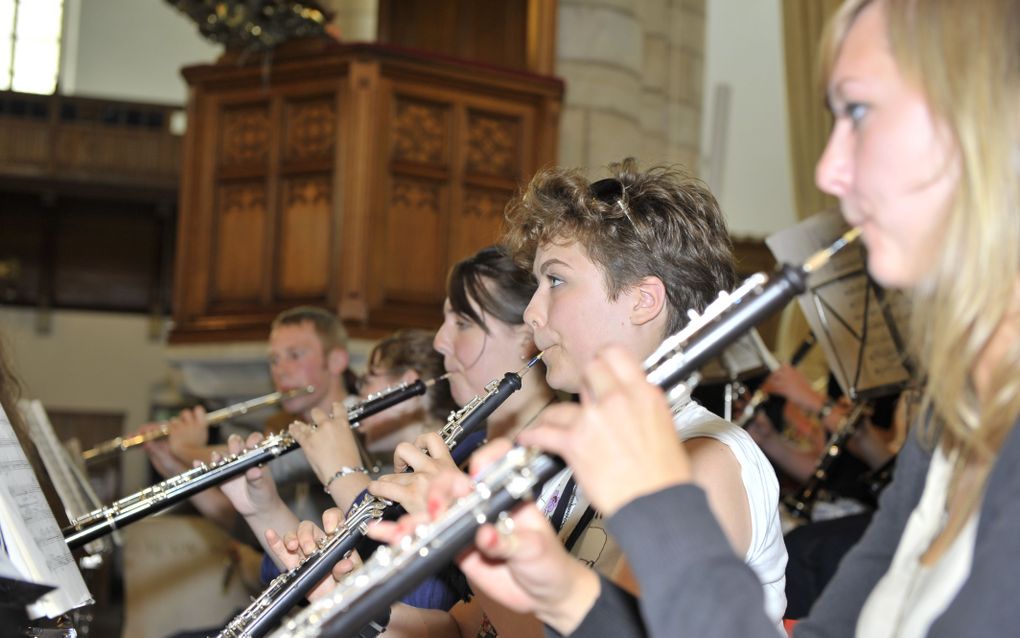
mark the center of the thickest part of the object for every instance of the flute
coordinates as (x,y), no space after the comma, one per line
(121,443)
(365,594)
(289,588)
(177,488)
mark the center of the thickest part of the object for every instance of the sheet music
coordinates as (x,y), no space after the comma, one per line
(69,479)
(32,537)
(41,432)
(7,568)
(859,324)
(748,356)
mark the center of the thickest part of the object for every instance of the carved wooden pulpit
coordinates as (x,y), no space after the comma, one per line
(347,176)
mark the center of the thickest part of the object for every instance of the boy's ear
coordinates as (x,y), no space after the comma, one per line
(649,297)
(337,360)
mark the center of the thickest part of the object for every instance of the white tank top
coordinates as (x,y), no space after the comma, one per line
(766,554)
(911,596)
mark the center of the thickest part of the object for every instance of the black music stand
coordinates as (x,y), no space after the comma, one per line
(858,324)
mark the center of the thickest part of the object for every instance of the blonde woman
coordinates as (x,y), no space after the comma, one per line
(924,158)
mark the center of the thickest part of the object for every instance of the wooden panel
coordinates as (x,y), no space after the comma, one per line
(80,149)
(96,263)
(414,259)
(354,179)
(244,136)
(309,129)
(70,141)
(478,223)
(494,32)
(305,238)
(239,240)
(421,132)
(493,145)
(25,143)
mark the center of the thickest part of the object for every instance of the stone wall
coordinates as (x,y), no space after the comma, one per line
(634,75)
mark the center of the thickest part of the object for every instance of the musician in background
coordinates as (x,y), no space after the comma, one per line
(839,507)
(923,156)
(403,358)
(798,422)
(307,347)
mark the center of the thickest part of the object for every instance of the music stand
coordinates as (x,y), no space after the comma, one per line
(859,325)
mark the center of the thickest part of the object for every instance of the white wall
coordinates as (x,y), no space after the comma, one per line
(744,49)
(90,361)
(130,50)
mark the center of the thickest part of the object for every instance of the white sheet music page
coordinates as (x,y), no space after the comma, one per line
(41,432)
(32,537)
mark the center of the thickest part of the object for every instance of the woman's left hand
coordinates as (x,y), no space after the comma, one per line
(328,442)
(427,456)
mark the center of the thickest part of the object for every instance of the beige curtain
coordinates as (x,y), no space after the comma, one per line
(803,22)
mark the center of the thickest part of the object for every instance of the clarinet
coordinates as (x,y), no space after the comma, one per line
(289,588)
(365,594)
(802,503)
(158,497)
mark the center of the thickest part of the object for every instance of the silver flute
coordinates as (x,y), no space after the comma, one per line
(122,443)
(289,588)
(158,497)
(363,597)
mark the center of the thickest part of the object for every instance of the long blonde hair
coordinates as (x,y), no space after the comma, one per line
(965,58)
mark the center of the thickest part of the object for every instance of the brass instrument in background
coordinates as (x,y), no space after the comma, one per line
(122,443)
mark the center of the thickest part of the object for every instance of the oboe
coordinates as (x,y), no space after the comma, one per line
(287,589)
(177,488)
(121,443)
(365,594)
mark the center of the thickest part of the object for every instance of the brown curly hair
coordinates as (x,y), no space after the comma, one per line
(661,222)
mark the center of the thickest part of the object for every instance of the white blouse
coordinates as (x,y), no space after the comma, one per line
(908,599)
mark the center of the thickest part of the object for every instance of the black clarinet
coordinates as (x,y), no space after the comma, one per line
(289,588)
(156,498)
(365,595)
(802,503)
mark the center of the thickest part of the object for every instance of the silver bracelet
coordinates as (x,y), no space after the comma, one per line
(342,472)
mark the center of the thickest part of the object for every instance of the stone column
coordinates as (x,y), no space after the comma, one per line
(633,70)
